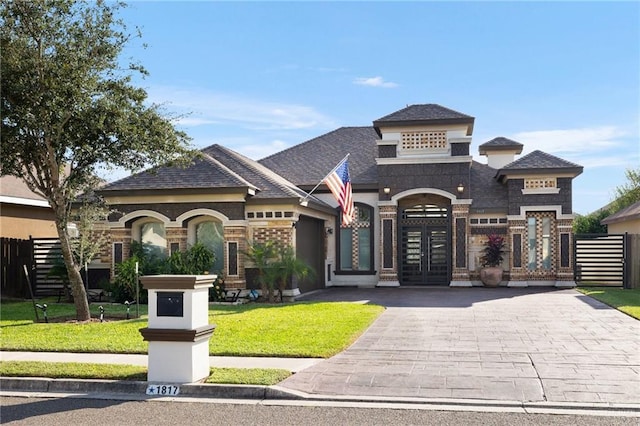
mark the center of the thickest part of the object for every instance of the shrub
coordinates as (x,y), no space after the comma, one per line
(493,249)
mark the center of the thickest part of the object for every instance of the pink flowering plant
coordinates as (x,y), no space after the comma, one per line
(493,250)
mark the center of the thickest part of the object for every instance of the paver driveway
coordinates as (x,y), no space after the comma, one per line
(499,344)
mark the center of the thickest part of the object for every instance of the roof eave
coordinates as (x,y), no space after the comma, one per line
(573,171)
(438,121)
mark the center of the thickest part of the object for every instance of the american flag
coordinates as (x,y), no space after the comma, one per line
(339,183)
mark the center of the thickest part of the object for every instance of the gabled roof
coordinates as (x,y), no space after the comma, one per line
(205,172)
(629,213)
(539,163)
(269,184)
(500,144)
(308,163)
(218,170)
(14,190)
(424,114)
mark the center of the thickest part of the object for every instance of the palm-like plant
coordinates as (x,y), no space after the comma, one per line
(288,266)
(263,256)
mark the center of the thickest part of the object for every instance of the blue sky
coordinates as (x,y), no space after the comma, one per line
(259,77)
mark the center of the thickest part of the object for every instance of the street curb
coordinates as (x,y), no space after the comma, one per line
(137,390)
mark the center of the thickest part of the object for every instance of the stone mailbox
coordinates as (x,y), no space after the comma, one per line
(179,329)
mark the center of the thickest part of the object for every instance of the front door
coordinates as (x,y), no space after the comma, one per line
(425,255)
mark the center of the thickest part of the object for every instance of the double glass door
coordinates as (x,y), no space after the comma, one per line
(425,255)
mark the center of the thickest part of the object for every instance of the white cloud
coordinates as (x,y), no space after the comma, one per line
(603,146)
(202,107)
(571,140)
(374,82)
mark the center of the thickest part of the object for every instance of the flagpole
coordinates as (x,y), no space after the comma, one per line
(320,183)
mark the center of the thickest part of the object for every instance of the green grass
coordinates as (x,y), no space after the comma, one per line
(75,370)
(315,330)
(624,300)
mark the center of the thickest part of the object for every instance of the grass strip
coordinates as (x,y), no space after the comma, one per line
(77,370)
(624,300)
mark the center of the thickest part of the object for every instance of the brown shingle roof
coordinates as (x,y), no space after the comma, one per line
(500,144)
(424,114)
(308,163)
(538,162)
(628,213)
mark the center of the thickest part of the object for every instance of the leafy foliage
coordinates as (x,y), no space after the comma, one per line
(590,224)
(151,261)
(492,252)
(69,107)
(276,264)
(629,192)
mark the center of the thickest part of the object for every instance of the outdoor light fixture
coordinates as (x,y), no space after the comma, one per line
(386,190)
(329,231)
(460,188)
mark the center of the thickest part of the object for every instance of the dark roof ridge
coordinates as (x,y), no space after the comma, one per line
(430,105)
(208,158)
(267,173)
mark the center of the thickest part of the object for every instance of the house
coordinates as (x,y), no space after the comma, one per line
(23,213)
(625,220)
(423,206)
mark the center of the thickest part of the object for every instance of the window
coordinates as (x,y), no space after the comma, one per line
(539,243)
(153,237)
(211,235)
(355,243)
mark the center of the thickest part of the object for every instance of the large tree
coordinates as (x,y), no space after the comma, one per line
(69,106)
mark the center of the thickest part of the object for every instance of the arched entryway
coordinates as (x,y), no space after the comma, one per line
(424,240)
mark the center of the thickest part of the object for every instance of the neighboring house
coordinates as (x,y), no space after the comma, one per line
(626,220)
(423,206)
(23,213)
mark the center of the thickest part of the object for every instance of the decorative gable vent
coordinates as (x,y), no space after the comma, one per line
(414,141)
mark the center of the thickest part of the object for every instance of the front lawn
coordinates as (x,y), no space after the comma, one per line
(76,370)
(624,300)
(315,330)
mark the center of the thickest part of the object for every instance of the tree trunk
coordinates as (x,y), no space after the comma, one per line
(75,279)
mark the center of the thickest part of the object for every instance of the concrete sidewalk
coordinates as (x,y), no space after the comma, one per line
(292,364)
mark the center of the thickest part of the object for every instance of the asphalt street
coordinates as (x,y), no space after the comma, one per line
(73,411)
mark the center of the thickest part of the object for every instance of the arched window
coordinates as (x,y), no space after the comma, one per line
(355,243)
(210,234)
(153,237)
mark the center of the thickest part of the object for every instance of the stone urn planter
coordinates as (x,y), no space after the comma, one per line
(491,277)
(491,272)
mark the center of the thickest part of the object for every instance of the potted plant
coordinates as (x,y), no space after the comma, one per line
(491,272)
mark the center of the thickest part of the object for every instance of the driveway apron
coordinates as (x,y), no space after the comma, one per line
(499,344)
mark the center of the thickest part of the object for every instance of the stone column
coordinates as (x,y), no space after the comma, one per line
(388,276)
(460,246)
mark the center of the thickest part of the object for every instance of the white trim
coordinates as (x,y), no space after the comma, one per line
(23,201)
(387,142)
(388,284)
(201,212)
(463,139)
(528,209)
(122,222)
(531,191)
(460,284)
(444,159)
(419,191)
